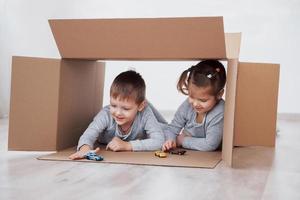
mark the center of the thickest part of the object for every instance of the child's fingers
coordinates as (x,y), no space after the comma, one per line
(114,147)
(81,154)
(163,148)
(75,156)
(109,146)
(166,146)
(173,144)
(97,150)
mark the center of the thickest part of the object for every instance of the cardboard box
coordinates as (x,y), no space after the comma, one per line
(194,38)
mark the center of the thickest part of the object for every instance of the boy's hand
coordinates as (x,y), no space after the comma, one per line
(169,144)
(82,151)
(116,144)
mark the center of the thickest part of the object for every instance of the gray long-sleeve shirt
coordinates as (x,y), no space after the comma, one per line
(145,133)
(205,136)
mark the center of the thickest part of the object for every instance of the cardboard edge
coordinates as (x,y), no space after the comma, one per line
(229,113)
(233,44)
(50,22)
(99,83)
(139,164)
(58,103)
(9,148)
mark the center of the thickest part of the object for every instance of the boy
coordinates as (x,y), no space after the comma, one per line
(129,123)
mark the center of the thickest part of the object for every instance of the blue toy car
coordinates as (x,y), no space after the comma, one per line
(93,156)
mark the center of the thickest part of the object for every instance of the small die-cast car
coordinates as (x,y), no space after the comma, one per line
(93,156)
(178,152)
(160,154)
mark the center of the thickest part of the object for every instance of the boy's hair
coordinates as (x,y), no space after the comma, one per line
(129,85)
(205,73)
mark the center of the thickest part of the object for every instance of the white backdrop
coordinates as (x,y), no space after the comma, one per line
(270,33)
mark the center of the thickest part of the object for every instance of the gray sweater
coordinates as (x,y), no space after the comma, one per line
(145,133)
(206,136)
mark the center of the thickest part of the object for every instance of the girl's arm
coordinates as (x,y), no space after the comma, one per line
(178,122)
(211,142)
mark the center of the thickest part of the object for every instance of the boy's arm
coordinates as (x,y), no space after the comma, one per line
(97,126)
(213,138)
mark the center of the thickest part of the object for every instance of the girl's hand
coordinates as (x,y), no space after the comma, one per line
(82,152)
(169,144)
(116,144)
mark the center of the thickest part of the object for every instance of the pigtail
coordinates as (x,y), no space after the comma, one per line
(182,85)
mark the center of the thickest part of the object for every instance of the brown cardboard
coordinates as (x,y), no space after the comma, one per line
(256,104)
(189,159)
(136,39)
(52,101)
(233,43)
(192,38)
(229,112)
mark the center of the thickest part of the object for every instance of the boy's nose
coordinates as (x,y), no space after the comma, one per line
(118,112)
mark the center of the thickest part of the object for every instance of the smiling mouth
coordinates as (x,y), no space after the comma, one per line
(120,118)
(198,108)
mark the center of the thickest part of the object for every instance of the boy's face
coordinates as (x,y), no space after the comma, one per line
(201,99)
(124,111)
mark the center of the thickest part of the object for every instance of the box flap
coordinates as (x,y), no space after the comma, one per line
(191,38)
(256,104)
(233,44)
(34,103)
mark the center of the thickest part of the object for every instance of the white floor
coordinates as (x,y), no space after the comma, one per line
(260,173)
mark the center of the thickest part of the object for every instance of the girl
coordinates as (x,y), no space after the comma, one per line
(198,122)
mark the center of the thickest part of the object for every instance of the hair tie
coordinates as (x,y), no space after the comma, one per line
(209,76)
(214,74)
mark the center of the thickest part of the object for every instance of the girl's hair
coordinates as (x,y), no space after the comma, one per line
(129,85)
(205,73)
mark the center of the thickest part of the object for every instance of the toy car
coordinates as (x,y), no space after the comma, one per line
(178,152)
(93,156)
(160,154)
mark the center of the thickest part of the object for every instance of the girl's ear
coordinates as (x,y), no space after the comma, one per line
(220,94)
(142,105)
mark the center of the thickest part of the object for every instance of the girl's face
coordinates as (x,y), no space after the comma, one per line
(201,99)
(124,111)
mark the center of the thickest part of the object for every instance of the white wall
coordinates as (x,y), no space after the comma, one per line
(270,29)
